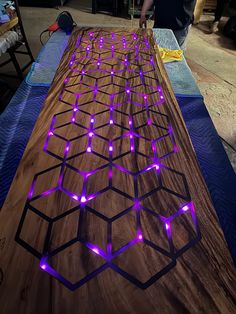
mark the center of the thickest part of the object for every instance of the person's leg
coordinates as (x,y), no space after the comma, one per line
(221,4)
(220,7)
(181,36)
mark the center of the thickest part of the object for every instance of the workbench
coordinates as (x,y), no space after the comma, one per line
(220,179)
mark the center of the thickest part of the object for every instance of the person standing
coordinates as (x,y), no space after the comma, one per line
(176,15)
(220,7)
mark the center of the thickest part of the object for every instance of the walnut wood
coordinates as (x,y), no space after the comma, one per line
(204,278)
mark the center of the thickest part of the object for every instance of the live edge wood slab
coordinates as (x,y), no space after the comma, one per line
(101,215)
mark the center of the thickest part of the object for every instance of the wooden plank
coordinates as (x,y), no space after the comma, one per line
(87,233)
(8,26)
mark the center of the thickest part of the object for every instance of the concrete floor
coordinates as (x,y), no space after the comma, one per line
(211,57)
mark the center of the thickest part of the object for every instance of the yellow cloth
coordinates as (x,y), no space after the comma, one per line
(168,55)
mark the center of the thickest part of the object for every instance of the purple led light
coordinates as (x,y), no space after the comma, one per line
(161,97)
(140,237)
(73,119)
(89,149)
(167,225)
(145,97)
(132,148)
(83,199)
(95,250)
(112,72)
(50,133)
(110,148)
(43,266)
(75,197)
(67,148)
(185,208)
(91,134)
(111,121)
(128,91)
(83,72)
(92,120)
(157,167)
(98,63)
(75,109)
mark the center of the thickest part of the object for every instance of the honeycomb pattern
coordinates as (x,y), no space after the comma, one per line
(101,147)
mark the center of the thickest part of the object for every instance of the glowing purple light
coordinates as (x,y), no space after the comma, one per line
(126,59)
(92,120)
(89,149)
(132,148)
(185,208)
(110,148)
(43,266)
(131,136)
(167,225)
(71,62)
(112,72)
(66,80)
(140,237)
(161,97)
(157,167)
(73,120)
(91,134)
(95,251)
(83,199)
(83,72)
(50,133)
(128,91)
(98,64)
(130,122)
(111,121)
(145,97)
(75,109)
(75,197)
(67,148)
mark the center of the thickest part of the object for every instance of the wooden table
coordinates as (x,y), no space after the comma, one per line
(109,233)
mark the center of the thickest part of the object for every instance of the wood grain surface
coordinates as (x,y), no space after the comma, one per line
(107,198)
